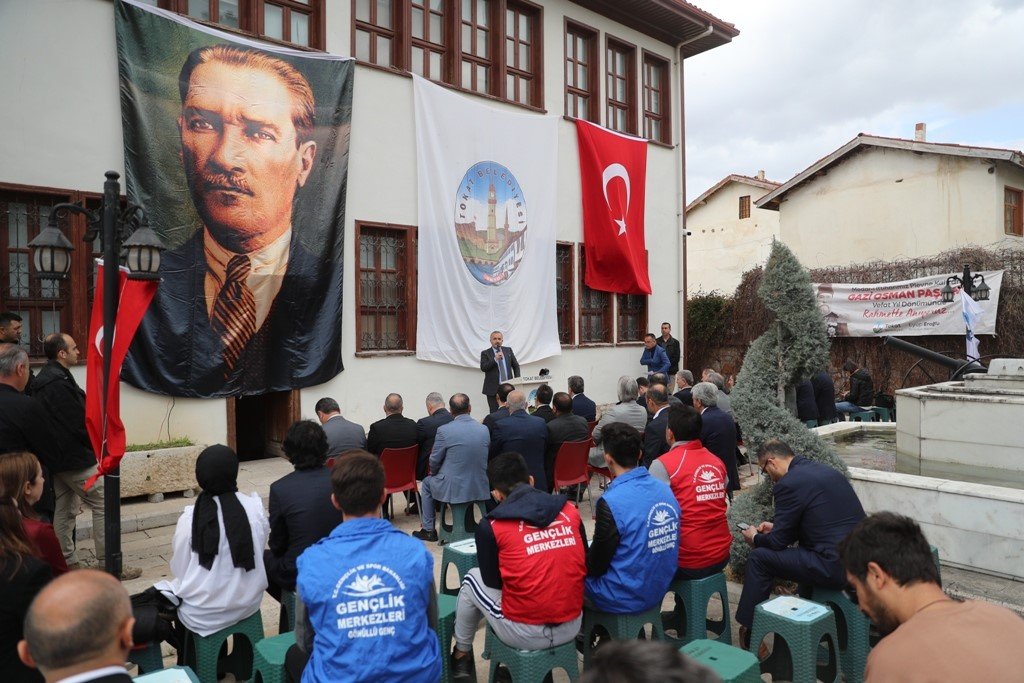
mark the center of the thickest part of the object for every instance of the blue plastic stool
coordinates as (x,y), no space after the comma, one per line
(732,664)
(695,595)
(530,666)
(852,630)
(619,627)
(463,524)
(268,658)
(203,653)
(147,658)
(799,626)
(445,633)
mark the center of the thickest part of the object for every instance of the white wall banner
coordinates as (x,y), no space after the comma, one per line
(486,199)
(906,308)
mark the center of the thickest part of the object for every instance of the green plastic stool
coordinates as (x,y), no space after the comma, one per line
(852,630)
(863,416)
(799,626)
(463,523)
(158,675)
(530,666)
(203,653)
(884,414)
(732,664)
(287,620)
(445,633)
(810,424)
(695,595)
(268,658)
(619,627)
(462,554)
(147,657)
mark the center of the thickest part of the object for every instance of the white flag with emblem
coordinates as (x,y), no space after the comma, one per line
(972,314)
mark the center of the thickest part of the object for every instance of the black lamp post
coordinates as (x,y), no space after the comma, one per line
(51,252)
(974,284)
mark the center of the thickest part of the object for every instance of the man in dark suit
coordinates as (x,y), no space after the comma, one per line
(501,413)
(394,431)
(672,350)
(24,424)
(816,506)
(342,435)
(825,397)
(300,505)
(655,444)
(718,430)
(426,430)
(244,307)
(524,434)
(581,405)
(499,365)
(543,403)
(565,427)
(684,380)
(80,626)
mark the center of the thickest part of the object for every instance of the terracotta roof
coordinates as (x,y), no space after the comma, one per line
(864,141)
(669,21)
(733,178)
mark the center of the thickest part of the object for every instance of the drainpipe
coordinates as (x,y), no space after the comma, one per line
(681,293)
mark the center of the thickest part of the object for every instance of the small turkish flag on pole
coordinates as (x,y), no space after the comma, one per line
(613,178)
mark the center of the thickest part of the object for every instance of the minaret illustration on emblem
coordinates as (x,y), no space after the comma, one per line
(492,220)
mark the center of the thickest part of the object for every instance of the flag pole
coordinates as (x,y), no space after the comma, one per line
(111,275)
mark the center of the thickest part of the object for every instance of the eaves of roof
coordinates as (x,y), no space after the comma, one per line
(733,178)
(864,141)
(669,21)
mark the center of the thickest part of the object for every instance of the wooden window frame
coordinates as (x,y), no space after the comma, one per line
(535,75)
(394,34)
(593,90)
(570,291)
(744,207)
(76,292)
(1017,220)
(612,43)
(608,312)
(665,92)
(410,290)
(251,19)
(643,324)
(427,44)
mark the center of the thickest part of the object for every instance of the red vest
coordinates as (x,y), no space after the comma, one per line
(542,569)
(697,477)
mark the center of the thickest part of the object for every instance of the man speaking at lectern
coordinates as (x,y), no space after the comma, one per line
(499,364)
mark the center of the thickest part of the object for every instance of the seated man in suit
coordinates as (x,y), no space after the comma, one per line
(543,403)
(684,380)
(426,430)
(458,465)
(627,411)
(655,443)
(394,431)
(718,431)
(524,434)
(642,385)
(816,506)
(565,427)
(581,405)
(499,365)
(504,389)
(662,378)
(80,627)
(300,505)
(342,435)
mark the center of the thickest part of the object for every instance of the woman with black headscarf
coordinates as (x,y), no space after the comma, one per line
(217,563)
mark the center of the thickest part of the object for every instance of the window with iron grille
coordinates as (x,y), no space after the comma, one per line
(297,22)
(745,206)
(632,317)
(1012,208)
(595,310)
(620,83)
(564,294)
(386,287)
(581,75)
(657,105)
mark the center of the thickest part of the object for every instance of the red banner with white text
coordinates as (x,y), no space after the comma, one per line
(613,178)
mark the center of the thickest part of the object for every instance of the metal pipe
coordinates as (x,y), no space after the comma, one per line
(958,368)
(111,262)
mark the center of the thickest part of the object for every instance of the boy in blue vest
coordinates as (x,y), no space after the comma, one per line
(633,556)
(368,591)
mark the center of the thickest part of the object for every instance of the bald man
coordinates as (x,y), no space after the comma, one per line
(80,625)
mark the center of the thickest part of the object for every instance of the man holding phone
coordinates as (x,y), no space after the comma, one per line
(499,364)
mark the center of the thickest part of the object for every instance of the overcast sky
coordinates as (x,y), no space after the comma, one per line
(806,76)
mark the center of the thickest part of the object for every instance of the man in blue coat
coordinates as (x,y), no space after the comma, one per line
(368,591)
(458,465)
(654,357)
(816,507)
(635,550)
(524,434)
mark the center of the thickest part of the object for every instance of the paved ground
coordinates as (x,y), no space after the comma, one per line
(149,528)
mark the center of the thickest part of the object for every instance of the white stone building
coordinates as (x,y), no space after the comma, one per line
(615,63)
(729,233)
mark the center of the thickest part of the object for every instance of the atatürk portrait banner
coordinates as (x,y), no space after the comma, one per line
(238,151)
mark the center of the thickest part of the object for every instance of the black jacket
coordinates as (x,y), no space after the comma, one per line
(499,414)
(394,431)
(426,432)
(25,426)
(600,555)
(489,367)
(563,428)
(718,435)
(536,508)
(824,395)
(584,407)
(545,413)
(685,396)
(16,594)
(654,438)
(806,407)
(862,389)
(64,400)
(672,351)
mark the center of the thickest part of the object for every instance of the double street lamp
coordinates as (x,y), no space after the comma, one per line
(973,284)
(118,229)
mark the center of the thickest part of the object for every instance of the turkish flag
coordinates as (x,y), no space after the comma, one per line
(107,435)
(613,176)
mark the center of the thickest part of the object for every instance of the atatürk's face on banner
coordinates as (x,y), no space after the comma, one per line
(242,155)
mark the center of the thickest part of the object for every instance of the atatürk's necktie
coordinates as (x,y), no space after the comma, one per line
(234,311)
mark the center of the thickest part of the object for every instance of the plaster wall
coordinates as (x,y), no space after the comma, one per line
(63,120)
